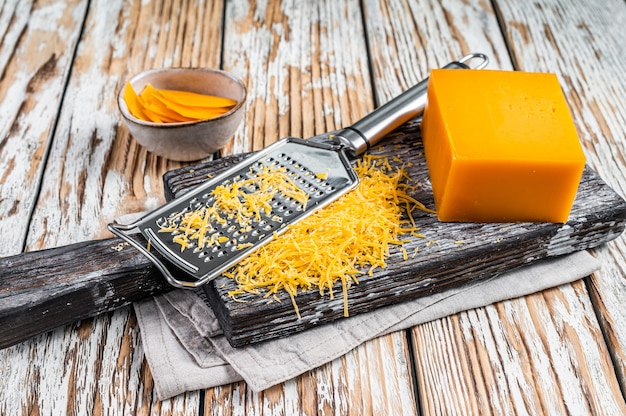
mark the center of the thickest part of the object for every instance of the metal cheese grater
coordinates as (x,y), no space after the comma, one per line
(322,170)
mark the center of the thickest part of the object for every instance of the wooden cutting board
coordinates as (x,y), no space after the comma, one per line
(450,255)
(46,289)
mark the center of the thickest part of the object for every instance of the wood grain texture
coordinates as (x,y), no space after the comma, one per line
(108,175)
(38,41)
(308,72)
(375,378)
(547,358)
(408,39)
(583,43)
(553,362)
(44,290)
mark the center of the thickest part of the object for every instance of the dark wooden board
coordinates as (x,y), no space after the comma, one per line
(452,254)
(47,289)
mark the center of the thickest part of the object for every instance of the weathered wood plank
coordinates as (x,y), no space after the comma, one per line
(117,175)
(38,41)
(546,357)
(95,173)
(43,290)
(305,68)
(583,43)
(362,382)
(408,39)
(541,354)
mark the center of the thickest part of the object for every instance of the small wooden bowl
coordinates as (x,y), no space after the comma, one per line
(193,140)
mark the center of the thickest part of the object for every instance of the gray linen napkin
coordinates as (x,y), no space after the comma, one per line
(185,351)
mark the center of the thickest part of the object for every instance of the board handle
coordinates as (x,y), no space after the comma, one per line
(51,288)
(368,131)
(47,289)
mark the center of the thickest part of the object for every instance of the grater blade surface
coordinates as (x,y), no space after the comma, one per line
(322,170)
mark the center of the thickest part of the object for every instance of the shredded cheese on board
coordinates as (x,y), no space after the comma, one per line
(350,237)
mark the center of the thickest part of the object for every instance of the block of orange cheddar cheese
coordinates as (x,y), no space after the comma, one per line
(501,146)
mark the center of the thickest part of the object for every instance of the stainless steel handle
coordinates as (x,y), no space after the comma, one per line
(366,132)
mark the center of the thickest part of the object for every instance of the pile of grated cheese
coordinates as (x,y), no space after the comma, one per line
(350,237)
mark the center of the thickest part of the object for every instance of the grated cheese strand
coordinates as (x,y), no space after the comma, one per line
(350,237)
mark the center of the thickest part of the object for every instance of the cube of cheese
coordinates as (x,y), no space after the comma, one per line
(501,146)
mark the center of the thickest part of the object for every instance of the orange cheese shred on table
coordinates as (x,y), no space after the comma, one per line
(350,237)
(173,106)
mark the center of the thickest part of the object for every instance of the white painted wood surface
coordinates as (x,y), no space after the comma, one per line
(587,50)
(67,167)
(38,42)
(583,43)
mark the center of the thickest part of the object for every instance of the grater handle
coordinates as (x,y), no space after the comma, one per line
(366,132)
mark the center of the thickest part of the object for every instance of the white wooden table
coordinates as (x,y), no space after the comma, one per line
(68,167)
